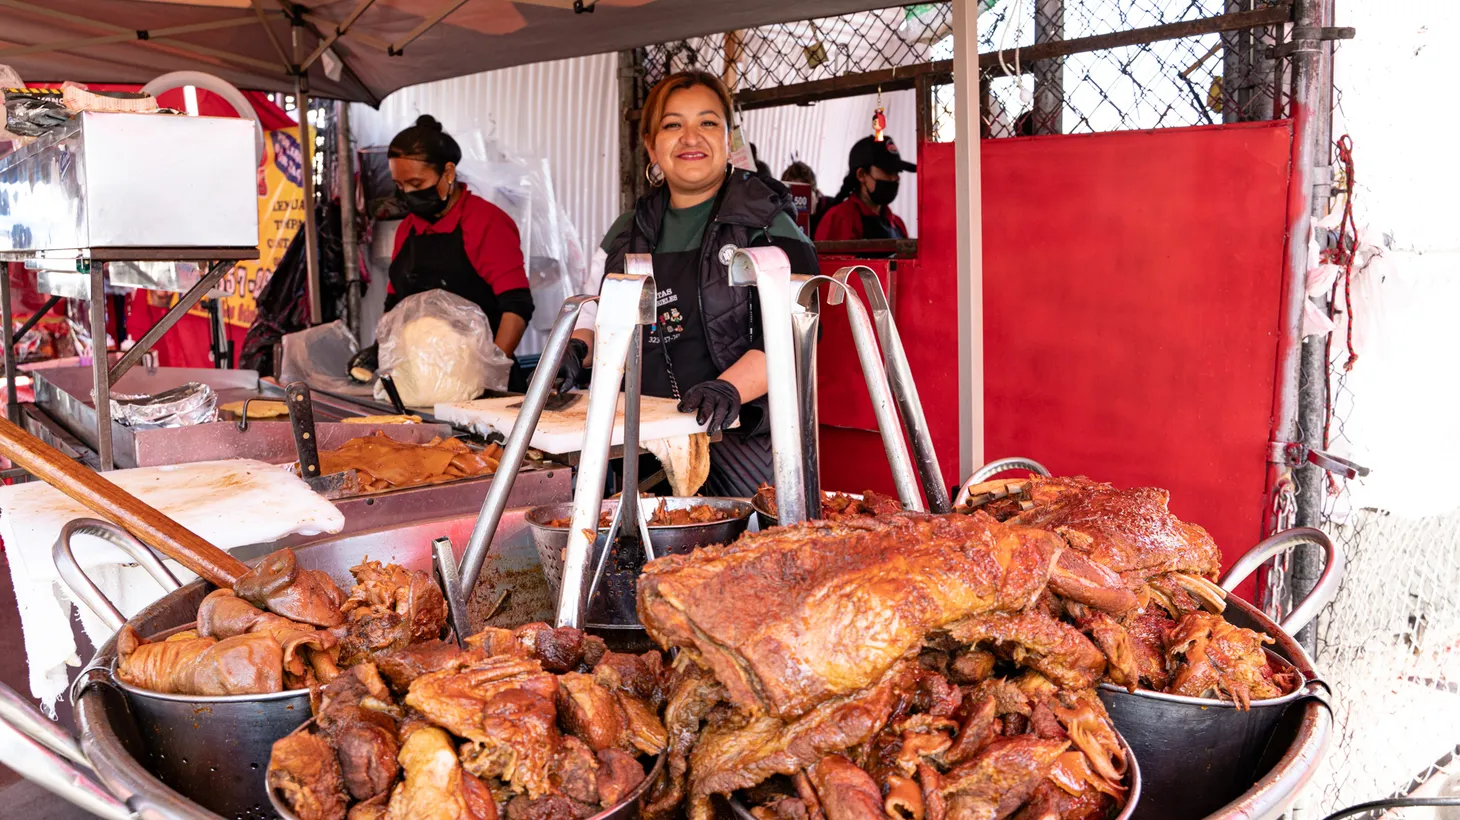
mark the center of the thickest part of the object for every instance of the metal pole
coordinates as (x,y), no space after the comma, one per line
(970,236)
(12,398)
(1313,398)
(345,166)
(1049,75)
(101,380)
(1305,101)
(630,171)
(306,158)
(1236,69)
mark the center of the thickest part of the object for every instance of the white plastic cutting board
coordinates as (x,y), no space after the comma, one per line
(560,432)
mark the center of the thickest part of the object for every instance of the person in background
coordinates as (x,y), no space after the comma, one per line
(705,348)
(863,206)
(799,171)
(453,239)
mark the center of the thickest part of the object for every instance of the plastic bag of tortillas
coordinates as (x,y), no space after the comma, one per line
(438,348)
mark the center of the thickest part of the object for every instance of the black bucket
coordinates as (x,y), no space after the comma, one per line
(1198,755)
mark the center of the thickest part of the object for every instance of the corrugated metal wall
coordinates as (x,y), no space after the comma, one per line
(565,111)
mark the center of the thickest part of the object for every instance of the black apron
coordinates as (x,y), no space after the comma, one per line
(439,260)
(739,464)
(876,226)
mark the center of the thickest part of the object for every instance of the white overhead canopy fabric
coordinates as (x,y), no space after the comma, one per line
(371,47)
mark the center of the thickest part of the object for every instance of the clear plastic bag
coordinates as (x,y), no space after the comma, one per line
(438,348)
(320,357)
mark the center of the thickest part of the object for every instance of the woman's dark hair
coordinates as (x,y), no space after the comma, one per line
(427,142)
(799,171)
(849,184)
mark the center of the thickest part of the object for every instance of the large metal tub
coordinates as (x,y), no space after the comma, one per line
(114,739)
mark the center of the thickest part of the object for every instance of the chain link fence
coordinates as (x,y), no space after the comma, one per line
(1164,81)
(1389,644)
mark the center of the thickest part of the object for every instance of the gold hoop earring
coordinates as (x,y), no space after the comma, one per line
(655,175)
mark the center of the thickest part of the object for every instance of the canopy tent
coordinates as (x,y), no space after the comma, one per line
(356,50)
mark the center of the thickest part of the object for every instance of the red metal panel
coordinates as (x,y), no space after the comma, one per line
(1132,286)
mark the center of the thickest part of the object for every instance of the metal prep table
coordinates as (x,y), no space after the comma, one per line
(125,188)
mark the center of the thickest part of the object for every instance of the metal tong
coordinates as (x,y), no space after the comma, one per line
(904,388)
(889,383)
(768,270)
(458,585)
(625,305)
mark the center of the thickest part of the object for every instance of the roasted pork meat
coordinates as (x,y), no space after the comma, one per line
(836,506)
(280,585)
(793,617)
(390,607)
(225,615)
(505,707)
(186,664)
(435,786)
(305,772)
(359,718)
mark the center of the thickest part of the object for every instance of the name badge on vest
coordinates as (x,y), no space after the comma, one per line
(727,252)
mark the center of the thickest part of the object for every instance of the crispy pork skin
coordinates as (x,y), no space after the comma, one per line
(796,616)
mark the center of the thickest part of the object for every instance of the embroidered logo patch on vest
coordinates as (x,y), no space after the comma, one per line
(727,252)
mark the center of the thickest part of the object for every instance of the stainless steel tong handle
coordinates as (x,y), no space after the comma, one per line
(40,751)
(904,388)
(768,270)
(625,304)
(80,585)
(1317,598)
(805,326)
(878,387)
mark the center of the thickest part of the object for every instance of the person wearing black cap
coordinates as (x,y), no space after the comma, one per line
(863,205)
(453,239)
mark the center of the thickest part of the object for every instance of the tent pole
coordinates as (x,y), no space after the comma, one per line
(345,165)
(306,158)
(970,237)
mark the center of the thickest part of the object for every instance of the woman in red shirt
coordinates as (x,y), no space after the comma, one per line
(863,207)
(453,239)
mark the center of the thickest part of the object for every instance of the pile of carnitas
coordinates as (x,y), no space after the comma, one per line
(284,627)
(1155,611)
(534,723)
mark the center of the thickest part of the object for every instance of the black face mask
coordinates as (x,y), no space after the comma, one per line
(883,192)
(425,203)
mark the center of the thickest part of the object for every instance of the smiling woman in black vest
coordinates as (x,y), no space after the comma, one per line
(705,348)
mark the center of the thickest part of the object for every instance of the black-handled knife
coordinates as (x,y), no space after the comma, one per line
(394,394)
(301,419)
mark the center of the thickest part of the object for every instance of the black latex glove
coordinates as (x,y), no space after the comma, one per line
(716,403)
(572,368)
(363,364)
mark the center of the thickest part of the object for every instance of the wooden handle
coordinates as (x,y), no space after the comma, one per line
(112,502)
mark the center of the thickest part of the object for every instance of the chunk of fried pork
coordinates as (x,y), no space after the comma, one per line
(505,707)
(435,786)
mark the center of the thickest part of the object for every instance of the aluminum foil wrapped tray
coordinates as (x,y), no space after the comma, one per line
(182,406)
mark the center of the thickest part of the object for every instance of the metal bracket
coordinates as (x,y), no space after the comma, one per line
(1295,454)
(1302,36)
